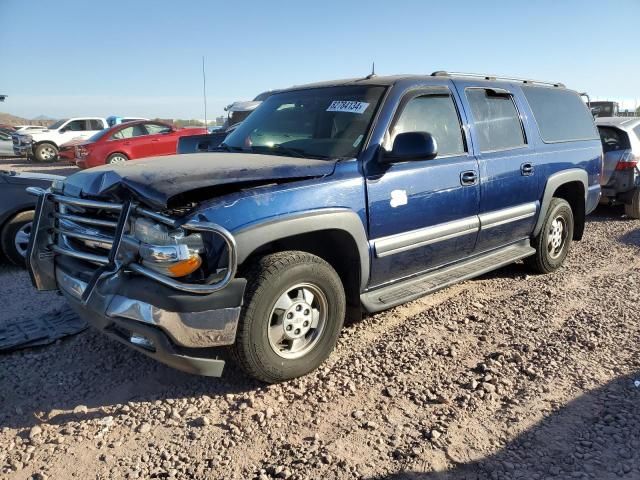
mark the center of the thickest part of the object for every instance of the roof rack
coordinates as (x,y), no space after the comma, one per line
(442,73)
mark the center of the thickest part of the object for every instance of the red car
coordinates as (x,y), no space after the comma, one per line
(129,141)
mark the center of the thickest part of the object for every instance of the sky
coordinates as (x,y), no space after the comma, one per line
(144,58)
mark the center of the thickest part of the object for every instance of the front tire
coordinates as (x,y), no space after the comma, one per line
(15,237)
(632,209)
(293,313)
(46,152)
(553,242)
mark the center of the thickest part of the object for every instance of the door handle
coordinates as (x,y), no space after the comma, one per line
(468,178)
(154,139)
(526,169)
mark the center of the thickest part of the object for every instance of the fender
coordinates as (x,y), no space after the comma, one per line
(553,183)
(251,237)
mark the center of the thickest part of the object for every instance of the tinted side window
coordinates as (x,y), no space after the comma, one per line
(154,128)
(561,114)
(129,132)
(496,120)
(437,115)
(76,126)
(95,125)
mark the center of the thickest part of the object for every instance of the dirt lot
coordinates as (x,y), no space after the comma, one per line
(510,376)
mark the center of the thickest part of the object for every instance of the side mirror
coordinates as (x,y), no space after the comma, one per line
(62,130)
(412,146)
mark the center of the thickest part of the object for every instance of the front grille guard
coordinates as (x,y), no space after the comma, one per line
(42,247)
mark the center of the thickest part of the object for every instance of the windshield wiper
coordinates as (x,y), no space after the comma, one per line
(290,151)
(228,148)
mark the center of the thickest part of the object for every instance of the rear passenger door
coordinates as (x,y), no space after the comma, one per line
(509,193)
(423,214)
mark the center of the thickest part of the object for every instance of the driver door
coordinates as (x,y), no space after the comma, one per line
(424,214)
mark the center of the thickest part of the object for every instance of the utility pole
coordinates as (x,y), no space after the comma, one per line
(204,93)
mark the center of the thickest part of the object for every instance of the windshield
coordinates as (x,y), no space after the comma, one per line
(327,123)
(57,125)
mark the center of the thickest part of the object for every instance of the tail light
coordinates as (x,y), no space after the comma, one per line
(81,152)
(628,161)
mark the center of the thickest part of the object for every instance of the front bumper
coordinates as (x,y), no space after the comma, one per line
(22,150)
(177,327)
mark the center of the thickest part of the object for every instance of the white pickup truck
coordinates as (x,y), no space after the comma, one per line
(43,145)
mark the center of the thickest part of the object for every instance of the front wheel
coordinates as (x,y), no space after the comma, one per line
(293,313)
(15,237)
(46,152)
(553,242)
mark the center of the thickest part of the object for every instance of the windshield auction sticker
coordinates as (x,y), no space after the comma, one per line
(350,106)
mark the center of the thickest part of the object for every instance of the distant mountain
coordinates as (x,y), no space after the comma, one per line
(8,119)
(43,117)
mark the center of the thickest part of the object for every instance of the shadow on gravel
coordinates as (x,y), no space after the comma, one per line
(631,238)
(46,384)
(605,213)
(595,436)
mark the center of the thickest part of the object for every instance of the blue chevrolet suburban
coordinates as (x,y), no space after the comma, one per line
(329,200)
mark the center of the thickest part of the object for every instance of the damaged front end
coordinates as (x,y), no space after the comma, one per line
(164,286)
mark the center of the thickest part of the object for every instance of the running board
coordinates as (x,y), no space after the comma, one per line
(416,287)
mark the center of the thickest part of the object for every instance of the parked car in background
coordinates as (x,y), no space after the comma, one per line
(17,209)
(604,109)
(29,128)
(43,146)
(344,196)
(620,182)
(6,144)
(130,141)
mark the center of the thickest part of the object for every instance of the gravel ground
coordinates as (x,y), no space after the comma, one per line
(510,376)
(21,165)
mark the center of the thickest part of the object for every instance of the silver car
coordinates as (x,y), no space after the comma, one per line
(620,174)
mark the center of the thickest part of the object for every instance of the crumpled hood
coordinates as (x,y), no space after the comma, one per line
(154,181)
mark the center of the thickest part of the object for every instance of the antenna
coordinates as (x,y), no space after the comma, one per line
(204,93)
(373,71)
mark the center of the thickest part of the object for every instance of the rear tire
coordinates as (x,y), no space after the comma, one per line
(46,152)
(553,242)
(116,158)
(293,312)
(633,209)
(15,237)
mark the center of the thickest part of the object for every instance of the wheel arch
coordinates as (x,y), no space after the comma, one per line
(36,144)
(572,186)
(336,235)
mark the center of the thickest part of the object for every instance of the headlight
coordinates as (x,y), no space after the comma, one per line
(170,252)
(26,139)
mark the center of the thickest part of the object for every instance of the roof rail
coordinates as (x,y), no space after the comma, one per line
(442,73)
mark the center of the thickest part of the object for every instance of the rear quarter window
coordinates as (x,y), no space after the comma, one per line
(636,130)
(561,114)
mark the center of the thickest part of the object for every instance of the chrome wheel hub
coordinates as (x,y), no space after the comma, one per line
(21,240)
(47,153)
(297,320)
(117,159)
(556,237)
